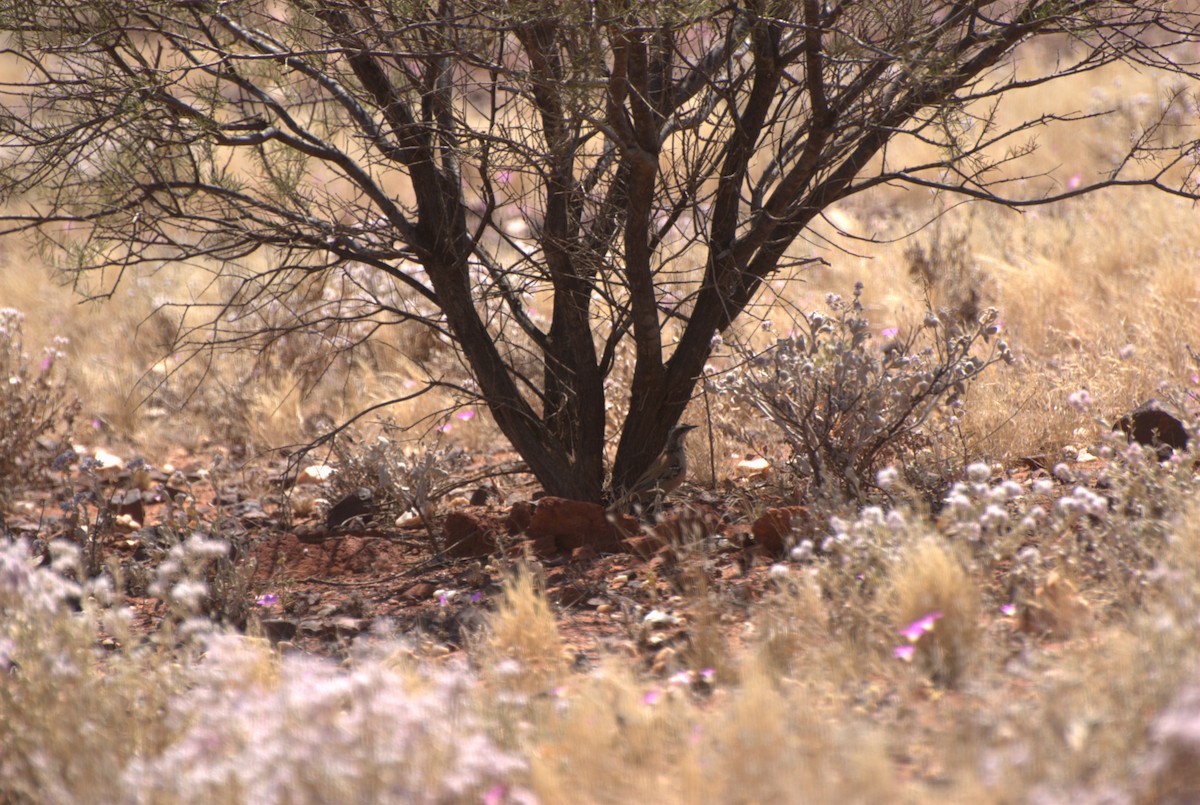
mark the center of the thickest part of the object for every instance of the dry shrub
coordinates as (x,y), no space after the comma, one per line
(1177,592)
(405,476)
(1089,723)
(943,264)
(707,647)
(847,410)
(70,720)
(1056,608)
(937,603)
(218,717)
(792,625)
(1117,708)
(1172,771)
(34,404)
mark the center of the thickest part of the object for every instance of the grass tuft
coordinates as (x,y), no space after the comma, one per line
(936,610)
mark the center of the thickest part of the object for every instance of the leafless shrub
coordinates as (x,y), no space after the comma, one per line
(403,479)
(944,266)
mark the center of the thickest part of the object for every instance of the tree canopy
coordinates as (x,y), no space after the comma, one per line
(639,168)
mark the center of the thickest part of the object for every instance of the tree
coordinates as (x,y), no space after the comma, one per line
(641,167)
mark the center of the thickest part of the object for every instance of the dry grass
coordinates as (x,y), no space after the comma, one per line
(938,606)
(522,650)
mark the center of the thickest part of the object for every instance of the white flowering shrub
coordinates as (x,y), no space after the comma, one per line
(847,409)
(313,732)
(62,713)
(854,558)
(33,403)
(220,718)
(1109,528)
(201,579)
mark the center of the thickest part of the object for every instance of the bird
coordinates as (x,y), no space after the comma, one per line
(665,473)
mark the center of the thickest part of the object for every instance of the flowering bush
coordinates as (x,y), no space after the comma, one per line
(313,733)
(847,410)
(219,718)
(33,403)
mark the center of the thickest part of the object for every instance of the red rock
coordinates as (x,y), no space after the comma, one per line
(542,547)
(642,545)
(575,523)
(567,595)
(688,525)
(419,591)
(519,516)
(467,535)
(776,526)
(1148,424)
(665,558)
(739,534)
(584,553)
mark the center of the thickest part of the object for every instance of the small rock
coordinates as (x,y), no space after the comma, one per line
(566,595)
(542,547)
(753,466)
(317,474)
(410,519)
(657,619)
(773,529)
(106,461)
(574,523)
(642,545)
(279,630)
(251,511)
(1148,424)
(346,627)
(419,591)
(664,559)
(584,553)
(468,535)
(359,503)
(130,504)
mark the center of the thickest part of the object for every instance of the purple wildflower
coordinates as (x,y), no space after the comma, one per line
(920,626)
